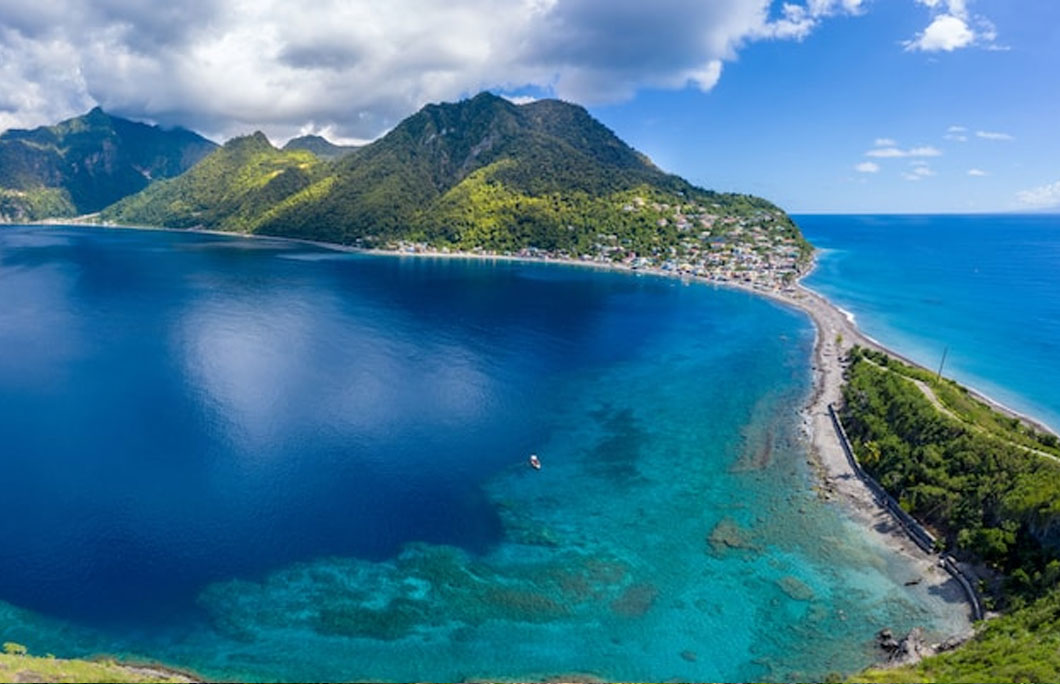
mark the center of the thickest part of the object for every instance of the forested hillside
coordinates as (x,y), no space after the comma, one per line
(479,174)
(232,189)
(990,486)
(86,163)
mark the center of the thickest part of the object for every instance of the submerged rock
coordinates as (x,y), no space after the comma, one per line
(636,600)
(795,588)
(727,535)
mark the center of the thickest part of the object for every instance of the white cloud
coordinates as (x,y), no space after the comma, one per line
(946,33)
(911,176)
(896,153)
(520,99)
(922,170)
(885,142)
(867,167)
(977,172)
(356,68)
(798,21)
(956,133)
(887,152)
(989,135)
(953,27)
(1042,197)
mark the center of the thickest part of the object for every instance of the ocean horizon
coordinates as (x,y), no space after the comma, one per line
(281,462)
(980,288)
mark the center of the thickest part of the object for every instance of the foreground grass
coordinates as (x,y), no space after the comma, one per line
(25,668)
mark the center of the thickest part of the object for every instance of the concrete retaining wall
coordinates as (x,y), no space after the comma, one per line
(917,532)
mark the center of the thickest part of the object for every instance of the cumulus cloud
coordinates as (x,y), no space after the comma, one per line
(952,27)
(867,167)
(356,68)
(991,135)
(897,153)
(977,172)
(1041,197)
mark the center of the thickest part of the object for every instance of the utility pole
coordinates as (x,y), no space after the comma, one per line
(938,378)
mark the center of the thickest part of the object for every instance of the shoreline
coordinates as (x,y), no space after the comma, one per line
(836,332)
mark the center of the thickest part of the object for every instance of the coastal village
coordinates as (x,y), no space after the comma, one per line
(759,249)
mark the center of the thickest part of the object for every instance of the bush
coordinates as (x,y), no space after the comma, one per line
(11,648)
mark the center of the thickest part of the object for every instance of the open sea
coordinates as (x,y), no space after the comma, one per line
(261,460)
(987,288)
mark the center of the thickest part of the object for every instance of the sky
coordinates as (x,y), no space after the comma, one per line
(902,106)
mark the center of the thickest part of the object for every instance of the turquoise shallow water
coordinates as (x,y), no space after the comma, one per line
(985,287)
(268,461)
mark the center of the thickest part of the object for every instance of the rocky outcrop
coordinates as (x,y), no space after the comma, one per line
(906,651)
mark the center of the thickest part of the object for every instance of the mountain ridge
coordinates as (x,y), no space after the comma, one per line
(482,173)
(83,164)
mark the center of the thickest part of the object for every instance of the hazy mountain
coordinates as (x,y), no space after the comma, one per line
(86,163)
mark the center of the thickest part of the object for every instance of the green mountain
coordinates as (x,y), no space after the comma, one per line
(86,163)
(231,189)
(481,173)
(320,146)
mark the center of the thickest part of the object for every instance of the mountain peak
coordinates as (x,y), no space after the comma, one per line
(320,146)
(93,160)
(255,141)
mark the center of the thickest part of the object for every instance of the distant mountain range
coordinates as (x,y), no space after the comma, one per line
(84,164)
(482,173)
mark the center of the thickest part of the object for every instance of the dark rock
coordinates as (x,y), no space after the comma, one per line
(949,644)
(909,650)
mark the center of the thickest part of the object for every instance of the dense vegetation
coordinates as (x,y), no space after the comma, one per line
(84,164)
(482,173)
(229,190)
(990,486)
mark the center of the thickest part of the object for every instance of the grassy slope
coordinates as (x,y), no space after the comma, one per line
(973,478)
(1023,646)
(17,668)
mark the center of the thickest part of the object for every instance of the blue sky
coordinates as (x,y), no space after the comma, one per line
(819,105)
(793,120)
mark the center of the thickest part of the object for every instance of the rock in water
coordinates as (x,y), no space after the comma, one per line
(909,650)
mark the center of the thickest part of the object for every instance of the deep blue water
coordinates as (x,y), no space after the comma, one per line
(986,287)
(264,460)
